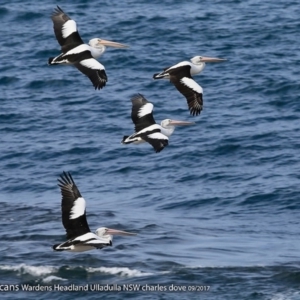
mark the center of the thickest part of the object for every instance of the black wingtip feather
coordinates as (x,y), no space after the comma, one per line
(195,112)
(163,145)
(140,98)
(65,178)
(99,86)
(57,11)
(99,82)
(137,95)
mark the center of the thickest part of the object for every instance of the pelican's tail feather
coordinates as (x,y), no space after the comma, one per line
(161,75)
(124,139)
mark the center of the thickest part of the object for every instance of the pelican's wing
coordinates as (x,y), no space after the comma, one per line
(93,70)
(188,87)
(157,140)
(65,30)
(73,207)
(141,113)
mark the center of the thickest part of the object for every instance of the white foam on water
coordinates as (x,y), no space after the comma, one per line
(39,271)
(120,271)
(223,266)
(51,278)
(32,270)
(286,296)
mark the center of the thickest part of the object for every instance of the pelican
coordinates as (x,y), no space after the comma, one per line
(75,52)
(80,238)
(146,129)
(181,76)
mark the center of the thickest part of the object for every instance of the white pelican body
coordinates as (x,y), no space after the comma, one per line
(80,238)
(146,130)
(78,54)
(181,76)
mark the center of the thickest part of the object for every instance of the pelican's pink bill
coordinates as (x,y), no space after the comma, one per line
(112,44)
(118,232)
(212,59)
(181,123)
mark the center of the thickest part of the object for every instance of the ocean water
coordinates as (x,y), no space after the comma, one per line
(216,212)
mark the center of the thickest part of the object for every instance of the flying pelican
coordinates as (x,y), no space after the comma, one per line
(146,130)
(80,238)
(181,76)
(78,54)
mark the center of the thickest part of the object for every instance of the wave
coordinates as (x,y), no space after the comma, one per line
(36,271)
(40,271)
(119,271)
(286,296)
(52,278)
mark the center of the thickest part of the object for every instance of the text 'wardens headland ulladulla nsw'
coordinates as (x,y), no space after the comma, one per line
(103,288)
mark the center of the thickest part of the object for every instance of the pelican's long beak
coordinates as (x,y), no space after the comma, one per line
(211,59)
(118,232)
(112,44)
(180,123)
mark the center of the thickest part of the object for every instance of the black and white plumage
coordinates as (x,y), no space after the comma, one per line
(181,76)
(73,208)
(146,129)
(75,52)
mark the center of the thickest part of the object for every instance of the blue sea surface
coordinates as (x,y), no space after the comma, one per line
(218,210)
